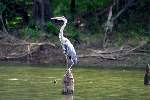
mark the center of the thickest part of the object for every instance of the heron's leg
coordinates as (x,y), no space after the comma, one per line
(71,63)
(67,61)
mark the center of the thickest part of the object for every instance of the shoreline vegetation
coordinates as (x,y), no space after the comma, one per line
(104,32)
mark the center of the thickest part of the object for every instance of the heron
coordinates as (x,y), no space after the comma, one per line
(67,46)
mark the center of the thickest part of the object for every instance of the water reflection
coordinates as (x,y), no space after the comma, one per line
(68,97)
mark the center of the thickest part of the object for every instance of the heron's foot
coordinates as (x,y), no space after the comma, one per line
(68,71)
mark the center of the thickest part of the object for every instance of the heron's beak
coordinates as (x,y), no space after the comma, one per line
(58,18)
(53,18)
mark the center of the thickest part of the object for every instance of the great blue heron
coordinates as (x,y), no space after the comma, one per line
(68,48)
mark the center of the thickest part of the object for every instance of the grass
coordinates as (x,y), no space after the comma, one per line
(36,83)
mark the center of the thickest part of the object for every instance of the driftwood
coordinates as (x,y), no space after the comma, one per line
(31,47)
(116,54)
(28,43)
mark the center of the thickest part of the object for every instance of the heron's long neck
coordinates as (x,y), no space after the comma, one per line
(62,32)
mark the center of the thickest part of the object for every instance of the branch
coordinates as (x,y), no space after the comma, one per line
(133,49)
(3,25)
(110,13)
(113,54)
(28,43)
(9,41)
(130,3)
(108,26)
(27,52)
(97,55)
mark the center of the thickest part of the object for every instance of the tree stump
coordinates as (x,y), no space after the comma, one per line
(147,75)
(68,97)
(68,83)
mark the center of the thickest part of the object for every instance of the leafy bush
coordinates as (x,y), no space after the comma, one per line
(72,32)
(51,28)
(28,32)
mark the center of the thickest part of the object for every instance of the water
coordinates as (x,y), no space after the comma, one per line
(37,83)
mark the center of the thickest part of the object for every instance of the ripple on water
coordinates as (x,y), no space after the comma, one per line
(13,79)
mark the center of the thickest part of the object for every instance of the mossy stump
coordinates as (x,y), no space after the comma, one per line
(68,83)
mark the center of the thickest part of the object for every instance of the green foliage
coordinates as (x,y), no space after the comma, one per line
(52,28)
(72,32)
(90,5)
(28,32)
(93,26)
(2,7)
(63,8)
(13,10)
(60,7)
(13,23)
(131,24)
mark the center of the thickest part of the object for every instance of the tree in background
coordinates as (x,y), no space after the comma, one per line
(41,11)
(73,7)
(121,6)
(2,8)
(14,13)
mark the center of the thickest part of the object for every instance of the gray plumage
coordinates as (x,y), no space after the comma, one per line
(68,48)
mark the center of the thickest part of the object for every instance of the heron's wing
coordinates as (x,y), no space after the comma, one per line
(69,49)
(65,47)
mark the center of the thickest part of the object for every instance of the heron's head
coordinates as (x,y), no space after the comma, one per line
(62,18)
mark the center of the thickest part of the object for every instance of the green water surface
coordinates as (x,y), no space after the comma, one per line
(36,83)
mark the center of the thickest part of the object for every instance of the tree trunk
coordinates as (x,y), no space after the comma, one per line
(47,10)
(68,83)
(72,5)
(108,27)
(41,12)
(68,97)
(110,20)
(3,25)
(72,8)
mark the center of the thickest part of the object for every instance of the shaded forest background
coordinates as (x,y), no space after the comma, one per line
(91,23)
(31,18)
